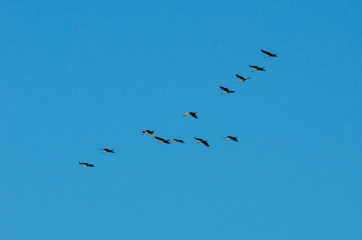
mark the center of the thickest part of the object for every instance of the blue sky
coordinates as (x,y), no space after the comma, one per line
(78,76)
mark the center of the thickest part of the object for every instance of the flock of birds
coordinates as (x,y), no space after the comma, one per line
(194,115)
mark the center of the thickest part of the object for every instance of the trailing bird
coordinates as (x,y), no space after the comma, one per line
(268,54)
(256,68)
(86,164)
(226,90)
(162,140)
(191,114)
(235,139)
(200,140)
(177,140)
(145,132)
(106,150)
(242,79)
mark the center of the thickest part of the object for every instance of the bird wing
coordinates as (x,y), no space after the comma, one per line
(198,139)
(266,52)
(158,138)
(206,144)
(238,76)
(253,66)
(82,163)
(193,114)
(224,88)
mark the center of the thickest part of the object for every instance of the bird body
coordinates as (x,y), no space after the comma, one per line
(145,132)
(193,114)
(226,90)
(86,164)
(162,140)
(242,79)
(200,140)
(256,68)
(235,139)
(268,54)
(106,150)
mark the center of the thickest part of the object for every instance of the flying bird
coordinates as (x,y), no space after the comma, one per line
(145,132)
(256,68)
(162,140)
(226,90)
(235,139)
(268,54)
(86,164)
(106,150)
(193,114)
(200,140)
(177,140)
(242,79)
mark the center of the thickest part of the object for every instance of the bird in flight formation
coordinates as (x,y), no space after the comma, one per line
(226,90)
(193,114)
(145,132)
(177,140)
(268,54)
(106,150)
(162,140)
(200,140)
(256,68)
(235,139)
(86,164)
(242,79)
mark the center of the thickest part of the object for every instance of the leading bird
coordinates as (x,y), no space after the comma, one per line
(86,164)
(226,90)
(193,114)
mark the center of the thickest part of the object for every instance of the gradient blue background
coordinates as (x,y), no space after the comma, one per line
(77,76)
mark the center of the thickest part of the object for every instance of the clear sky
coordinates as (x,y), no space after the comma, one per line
(77,76)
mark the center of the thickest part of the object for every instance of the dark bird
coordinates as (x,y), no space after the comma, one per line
(268,54)
(235,139)
(226,90)
(242,79)
(106,150)
(256,68)
(86,164)
(145,132)
(191,114)
(200,140)
(177,140)
(162,140)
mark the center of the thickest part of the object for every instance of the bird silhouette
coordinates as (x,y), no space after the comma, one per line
(235,139)
(162,140)
(177,140)
(106,150)
(226,90)
(145,132)
(193,114)
(86,164)
(242,79)
(268,54)
(256,68)
(200,140)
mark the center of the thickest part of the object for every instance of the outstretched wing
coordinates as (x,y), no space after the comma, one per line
(206,144)
(253,66)
(161,139)
(266,52)
(198,139)
(224,88)
(81,163)
(238,76)
(193,114)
